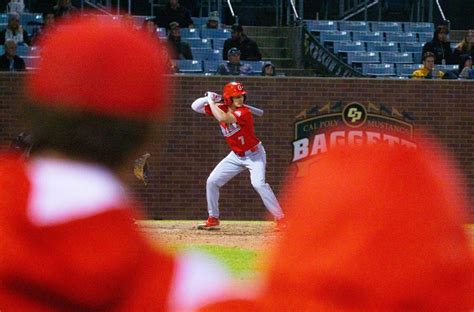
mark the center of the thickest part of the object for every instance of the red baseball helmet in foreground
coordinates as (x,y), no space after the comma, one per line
(372,229)
(74,73)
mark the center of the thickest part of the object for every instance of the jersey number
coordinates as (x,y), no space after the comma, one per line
(242,140)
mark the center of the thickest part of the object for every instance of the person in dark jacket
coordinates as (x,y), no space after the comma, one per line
(248,48)
(14,31)
(174,12)
(178,48)
(440,46)
(466,46)
(233,66)
(10,61)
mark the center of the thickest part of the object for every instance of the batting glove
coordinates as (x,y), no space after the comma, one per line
(214,97)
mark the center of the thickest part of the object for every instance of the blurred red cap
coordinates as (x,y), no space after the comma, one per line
(374,229)
(101,67)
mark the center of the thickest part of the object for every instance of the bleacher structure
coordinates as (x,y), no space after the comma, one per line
(381,49)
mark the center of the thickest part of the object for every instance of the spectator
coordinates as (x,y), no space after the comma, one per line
(213,21)
(64,8)
(440,46)
(428,70)
(150,27)
(233,66)
(48,26)
(9,61)
(178,48)
(465,66)
(17,6)
(174,12)
(466,46)
(247,46)
(268,69)
(14,31)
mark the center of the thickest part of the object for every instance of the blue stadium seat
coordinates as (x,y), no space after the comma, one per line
(316,25)
(386,26)
(31,62)
(199,21)
(162,32)
(397,57)
(382,46)
(349,46)
(378,69)
(25,18)
(189,66)
(401,37)
(367,36)
(445,68)
(412,47)
(417,57)
(363,57)
(190,33)
(3,18)
(211,66)
(139,20)
(199,43)
(215,33)
(418,27)
(207,54)
(425,37)
(335,36)
(406,70)
(256,66)
(354,26)
(218,43)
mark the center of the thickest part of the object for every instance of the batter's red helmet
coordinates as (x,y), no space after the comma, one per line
(233,89)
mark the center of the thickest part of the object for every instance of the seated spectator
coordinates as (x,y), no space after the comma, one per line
(48,26)
(465,66)
(64,8)
(233,66)
(268,69)
(178,48)
(213,21)
(466,46)
(174,12)
(14,31)
(247,46)
(17,6)
(149,27)
(428,71)
(9,61)
(440,46)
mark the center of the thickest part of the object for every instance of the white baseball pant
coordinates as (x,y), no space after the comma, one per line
(232,165)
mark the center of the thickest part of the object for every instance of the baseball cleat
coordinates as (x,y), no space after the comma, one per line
(210,224)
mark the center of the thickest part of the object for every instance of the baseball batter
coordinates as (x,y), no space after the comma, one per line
(237,126)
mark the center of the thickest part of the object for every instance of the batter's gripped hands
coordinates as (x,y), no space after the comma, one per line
(213,97)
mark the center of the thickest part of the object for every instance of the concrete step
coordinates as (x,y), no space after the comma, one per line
(270,42)
(275,52)
(266,31)
(282,62)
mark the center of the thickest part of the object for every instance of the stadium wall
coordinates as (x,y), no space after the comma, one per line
(188,145)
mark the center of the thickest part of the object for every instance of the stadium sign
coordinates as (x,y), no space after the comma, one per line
(319,129)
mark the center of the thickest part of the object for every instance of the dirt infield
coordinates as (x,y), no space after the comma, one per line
(242,234)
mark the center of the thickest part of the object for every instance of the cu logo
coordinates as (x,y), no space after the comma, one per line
(354,115)
(240,87)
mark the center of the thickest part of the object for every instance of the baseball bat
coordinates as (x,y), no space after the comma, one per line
(254,110)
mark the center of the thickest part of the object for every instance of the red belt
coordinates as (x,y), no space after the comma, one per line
(251,150)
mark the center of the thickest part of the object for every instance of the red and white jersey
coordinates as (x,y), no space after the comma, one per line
(240,135)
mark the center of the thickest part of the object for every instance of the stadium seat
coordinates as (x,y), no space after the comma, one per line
(25,18)
(418,27)
(367,36)
(354,26)
(424,37)
(190,33)
(199,43)
(406,70)
(349,46)
(3,18)
(445,68)
(401,37)
(315,25)
(207,54)
(215,33)
(397,57)
(363,57)
(218,43)
(139,20)
(211,66)
(386,26)
(199,21)
(378,69)
(256,66)
(335,36)
(189,66)
(162,32)
(382,46)
(31,62)
(412,47)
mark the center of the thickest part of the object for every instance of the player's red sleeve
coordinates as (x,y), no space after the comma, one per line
(208,110)
(242,115)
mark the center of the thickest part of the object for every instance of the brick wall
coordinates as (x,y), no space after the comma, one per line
(188,146)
